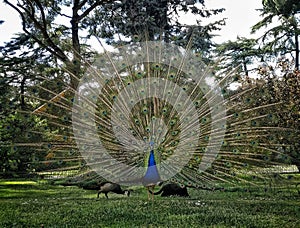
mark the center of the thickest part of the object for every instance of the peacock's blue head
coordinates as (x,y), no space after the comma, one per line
(151,144)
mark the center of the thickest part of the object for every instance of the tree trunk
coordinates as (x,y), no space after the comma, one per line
(75,67)
(296,37)
(245,67)
(22,93)
(296,50)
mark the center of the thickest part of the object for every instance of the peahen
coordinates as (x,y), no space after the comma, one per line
(107,187)
(152,111)
(172,189)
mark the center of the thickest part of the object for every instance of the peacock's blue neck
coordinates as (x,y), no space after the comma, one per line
(152,176)
(151,161)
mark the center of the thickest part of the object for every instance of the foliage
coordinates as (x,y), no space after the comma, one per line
(20,160)
(286,88)
(282,7)
(282,38)
(22,68)
(40,22)
(275,97)
(155,19)
(238,54)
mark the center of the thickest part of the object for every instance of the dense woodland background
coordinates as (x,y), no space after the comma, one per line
(48,51)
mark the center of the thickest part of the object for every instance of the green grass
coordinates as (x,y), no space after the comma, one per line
(31,204)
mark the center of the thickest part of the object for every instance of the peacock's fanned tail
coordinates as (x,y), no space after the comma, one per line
(204,131)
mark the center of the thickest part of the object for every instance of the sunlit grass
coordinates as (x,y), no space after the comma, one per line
(18,182)
(32,205)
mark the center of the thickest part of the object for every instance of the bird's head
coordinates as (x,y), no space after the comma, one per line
(151,145)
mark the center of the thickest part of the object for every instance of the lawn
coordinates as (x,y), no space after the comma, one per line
(37,204)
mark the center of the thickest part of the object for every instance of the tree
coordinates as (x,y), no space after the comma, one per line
(105,19)
(240,53)
(283,84)
(22,67)
(31,61)
(155,19)
(39,22)
(30,72)
(283,38)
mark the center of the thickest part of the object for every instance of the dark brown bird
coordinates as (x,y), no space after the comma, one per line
(107,187)
(172,189)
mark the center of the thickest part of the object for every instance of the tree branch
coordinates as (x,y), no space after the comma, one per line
(49,45)
(91,8)
(42,14)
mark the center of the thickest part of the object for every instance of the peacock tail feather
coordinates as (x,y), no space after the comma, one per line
(204,131)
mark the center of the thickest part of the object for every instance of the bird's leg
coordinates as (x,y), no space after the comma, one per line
(148,193)
(150,188)
(153,186)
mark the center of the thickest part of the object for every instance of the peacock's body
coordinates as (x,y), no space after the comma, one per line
(151,176)
(200,130)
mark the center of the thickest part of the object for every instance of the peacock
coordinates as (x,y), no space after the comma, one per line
(107,187)
(152,111)
(172,189)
